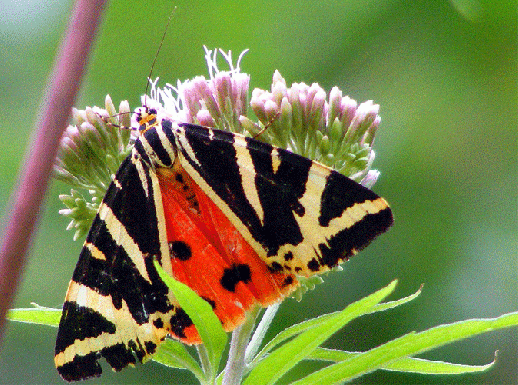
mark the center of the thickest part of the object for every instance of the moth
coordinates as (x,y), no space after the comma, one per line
(235,219)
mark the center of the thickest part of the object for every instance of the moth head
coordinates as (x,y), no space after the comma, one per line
(146,119)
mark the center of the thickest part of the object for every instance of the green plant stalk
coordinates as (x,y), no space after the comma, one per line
(235,366)
(260,332)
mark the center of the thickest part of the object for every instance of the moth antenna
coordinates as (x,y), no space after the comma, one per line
(118,114)
(147,119)
(158,50)
(148,78)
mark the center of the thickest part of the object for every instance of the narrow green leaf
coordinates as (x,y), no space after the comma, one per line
(407,364)
(392,304)
(39,315)
(305,325)
(207,323)
(173,354)
(324,354)
(421,366)
(407,345)
(269,370)
(290,332)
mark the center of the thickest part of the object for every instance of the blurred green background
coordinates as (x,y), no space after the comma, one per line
(445,75)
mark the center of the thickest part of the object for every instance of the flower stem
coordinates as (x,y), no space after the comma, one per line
(236,356)
(64,84)
(260,331)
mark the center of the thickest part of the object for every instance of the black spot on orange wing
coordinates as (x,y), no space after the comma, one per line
(235,274)
(180,250)
(179,178)
(150,347)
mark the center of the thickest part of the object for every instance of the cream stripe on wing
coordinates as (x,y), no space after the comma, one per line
(165,261)
(355,213)
(122,238)
(276,160)
(185,145)
(94,251)
(135,159)
(168,146)
(247,173)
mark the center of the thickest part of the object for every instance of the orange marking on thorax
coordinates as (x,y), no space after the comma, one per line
(147,120)
(215,246)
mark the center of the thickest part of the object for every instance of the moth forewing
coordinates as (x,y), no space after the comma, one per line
(293,211)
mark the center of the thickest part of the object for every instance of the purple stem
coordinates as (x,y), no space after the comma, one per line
(54,114)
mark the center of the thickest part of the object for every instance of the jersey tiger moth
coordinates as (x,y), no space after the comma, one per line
(234,218)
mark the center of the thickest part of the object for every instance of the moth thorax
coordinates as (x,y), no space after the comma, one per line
(156,148)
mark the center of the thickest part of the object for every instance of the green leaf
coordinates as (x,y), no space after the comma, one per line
(408,345)
(290,332)
(407,364)
(323,354)
(38,315)
(392,304)
(207,323)
(269,370)
(421,366)
(173,354)
(305,325)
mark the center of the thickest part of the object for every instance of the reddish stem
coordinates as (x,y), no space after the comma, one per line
(54,114)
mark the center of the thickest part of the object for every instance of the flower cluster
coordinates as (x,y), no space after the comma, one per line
(91,151)
(332,129)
